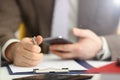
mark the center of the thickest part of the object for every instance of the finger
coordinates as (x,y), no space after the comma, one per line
(31,47)
(24,63)
(27,60)
(81,32)
(39,39)
(64,48)
(64,55)
(27,43)
(34,60)
(32,56)
(27,40)
(33,63)
(36,49)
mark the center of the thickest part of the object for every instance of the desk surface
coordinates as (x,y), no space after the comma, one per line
(4,75)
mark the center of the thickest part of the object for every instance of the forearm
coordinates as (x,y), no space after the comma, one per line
(9,21)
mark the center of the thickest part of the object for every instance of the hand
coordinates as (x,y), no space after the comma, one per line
(87,47)
(25,53)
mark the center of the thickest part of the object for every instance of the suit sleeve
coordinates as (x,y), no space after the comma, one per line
(114,45)
(9,20)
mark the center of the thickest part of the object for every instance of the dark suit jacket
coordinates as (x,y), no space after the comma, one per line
(37,16)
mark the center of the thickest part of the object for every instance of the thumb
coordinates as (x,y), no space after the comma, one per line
(39,39)
(81,32)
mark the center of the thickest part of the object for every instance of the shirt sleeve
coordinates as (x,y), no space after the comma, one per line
(105,52)
(10,41)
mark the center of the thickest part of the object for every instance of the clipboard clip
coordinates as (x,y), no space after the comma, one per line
(50,70)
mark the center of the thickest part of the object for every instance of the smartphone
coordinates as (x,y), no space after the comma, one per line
(56,40)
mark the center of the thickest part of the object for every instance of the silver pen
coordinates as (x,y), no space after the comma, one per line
(34,40)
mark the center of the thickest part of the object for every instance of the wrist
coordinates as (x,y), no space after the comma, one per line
(100,52)
(5,46)
(10,51)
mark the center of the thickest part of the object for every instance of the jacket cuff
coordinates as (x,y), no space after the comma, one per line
(10,41)
(105,52)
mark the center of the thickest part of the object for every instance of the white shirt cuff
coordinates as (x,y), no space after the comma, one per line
(6,45)
(105,52)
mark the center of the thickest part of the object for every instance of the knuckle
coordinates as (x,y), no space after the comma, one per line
(64,47)
(78,49)
(63,56)
(33,55)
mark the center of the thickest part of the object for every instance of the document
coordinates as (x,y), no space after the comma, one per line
(50,61)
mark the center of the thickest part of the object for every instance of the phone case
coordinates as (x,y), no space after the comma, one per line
(57,40)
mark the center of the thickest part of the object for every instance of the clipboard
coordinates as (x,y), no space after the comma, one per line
(54,70)
(57,62)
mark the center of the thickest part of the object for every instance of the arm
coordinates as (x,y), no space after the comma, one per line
(24,52)
(89,46)
(9,20)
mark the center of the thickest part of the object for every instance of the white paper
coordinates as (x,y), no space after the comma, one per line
(50,61)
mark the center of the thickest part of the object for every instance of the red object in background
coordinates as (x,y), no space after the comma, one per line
(110,68)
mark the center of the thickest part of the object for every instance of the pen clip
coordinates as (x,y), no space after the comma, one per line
(34,40)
